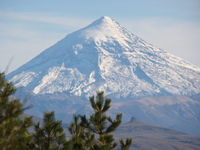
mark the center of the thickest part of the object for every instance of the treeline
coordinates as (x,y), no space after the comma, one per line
(93,133)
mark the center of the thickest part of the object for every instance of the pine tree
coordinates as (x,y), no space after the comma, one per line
(50,136)
(103,125)
(13,127)
(125,146)
(77,133)
(81,139)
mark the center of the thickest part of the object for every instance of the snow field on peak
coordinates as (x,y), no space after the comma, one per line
(106,56)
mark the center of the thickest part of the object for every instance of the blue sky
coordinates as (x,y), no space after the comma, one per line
(28,27)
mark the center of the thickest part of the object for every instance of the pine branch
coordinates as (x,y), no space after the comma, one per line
(126,145)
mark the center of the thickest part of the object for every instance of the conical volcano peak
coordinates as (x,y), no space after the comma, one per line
(105,29)
(104,20)
(105,56)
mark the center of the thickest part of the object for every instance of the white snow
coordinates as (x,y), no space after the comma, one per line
(105,56)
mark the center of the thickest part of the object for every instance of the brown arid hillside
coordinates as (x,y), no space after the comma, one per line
(154,137)
(146,136)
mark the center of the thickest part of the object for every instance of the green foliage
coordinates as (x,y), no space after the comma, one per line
(103,125)
(50,136)
(77,133)
(14,134)
(81,139)
(125,146)
(13,128)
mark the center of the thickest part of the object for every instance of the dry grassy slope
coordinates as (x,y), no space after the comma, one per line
(148,136)
(154,137)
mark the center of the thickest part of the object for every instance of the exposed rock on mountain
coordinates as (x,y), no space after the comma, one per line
(105,56)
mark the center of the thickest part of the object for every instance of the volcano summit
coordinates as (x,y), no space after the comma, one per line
(106,56)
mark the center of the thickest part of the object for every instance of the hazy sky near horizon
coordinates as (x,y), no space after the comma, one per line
(28,27)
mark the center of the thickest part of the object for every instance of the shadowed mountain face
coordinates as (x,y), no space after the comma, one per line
(105,56)
(140,79)
(176,112)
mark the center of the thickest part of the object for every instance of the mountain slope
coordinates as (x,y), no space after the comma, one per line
(106,56)
(176,112)
(149,136)
(153,137)
(64,104)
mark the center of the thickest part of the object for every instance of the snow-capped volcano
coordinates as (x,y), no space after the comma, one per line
(106,56)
